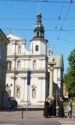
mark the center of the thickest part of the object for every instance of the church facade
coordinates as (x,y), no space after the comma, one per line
(20,61)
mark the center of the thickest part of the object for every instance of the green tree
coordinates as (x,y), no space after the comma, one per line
(69,77)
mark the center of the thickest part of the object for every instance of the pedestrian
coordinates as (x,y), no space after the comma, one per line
(46,108)
(50,108)
(61,108)
(53,107)
(69,106)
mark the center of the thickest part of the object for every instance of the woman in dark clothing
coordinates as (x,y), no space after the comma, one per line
(46,109)
(61,108)
(52,108)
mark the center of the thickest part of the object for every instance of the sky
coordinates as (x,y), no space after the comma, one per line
(58,19)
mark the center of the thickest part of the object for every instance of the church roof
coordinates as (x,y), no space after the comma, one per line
(59,61)
(11,36)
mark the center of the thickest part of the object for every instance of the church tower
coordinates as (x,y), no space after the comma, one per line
(38,52)
(39,43)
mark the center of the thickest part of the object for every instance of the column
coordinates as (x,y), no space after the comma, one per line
(51,78)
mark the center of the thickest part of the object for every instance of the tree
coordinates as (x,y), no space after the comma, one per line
(69,77)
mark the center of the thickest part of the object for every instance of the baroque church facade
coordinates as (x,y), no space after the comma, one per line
(21,60)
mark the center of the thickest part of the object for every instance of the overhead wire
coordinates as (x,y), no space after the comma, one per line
(22,18)
(64,30)
(64,19)
(71,42)
(49,1)
(60,14)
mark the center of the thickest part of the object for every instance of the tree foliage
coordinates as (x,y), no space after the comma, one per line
(69,77)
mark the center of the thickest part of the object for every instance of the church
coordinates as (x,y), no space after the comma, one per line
(21,61)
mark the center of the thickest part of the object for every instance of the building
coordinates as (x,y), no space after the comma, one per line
(32,63)
(3,65)
(22,60)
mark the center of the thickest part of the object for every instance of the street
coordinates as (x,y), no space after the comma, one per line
(39,121)
(32,117)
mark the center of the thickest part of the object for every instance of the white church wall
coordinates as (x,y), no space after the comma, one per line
(59,73)
(43,64)
(22,63)
(26,64)
(55,75)
(43,48)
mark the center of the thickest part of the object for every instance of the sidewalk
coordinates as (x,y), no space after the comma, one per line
(26,113)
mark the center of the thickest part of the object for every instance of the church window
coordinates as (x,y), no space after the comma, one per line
(37,33)
(19,64)
(19,49)
(36,48)
(34,64)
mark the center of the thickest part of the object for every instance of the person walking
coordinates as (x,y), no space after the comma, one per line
(70,109)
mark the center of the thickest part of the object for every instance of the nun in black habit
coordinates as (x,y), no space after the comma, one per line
(46,108)
(61,108)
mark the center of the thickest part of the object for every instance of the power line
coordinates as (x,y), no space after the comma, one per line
(49,1)
(21,18)
(71,42)
(64,30)
(64,19)
(60,13)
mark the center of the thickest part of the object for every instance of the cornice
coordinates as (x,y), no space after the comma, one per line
(26,56)
(25,71)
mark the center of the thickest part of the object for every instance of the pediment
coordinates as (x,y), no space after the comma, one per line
(11,36)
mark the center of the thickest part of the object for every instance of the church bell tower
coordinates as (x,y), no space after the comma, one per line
(39,28)
(39,43)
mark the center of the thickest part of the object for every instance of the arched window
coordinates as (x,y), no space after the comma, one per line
(36,48)
(19,64)
(37,33)
(19,49)
(34,64)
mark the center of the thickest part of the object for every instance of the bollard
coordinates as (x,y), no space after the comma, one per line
(22,113)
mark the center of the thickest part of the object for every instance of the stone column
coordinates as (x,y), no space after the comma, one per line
(51,78)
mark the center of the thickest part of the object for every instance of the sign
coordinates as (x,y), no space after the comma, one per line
(28,77)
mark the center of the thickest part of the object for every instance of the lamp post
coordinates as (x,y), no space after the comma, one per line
(51,78)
